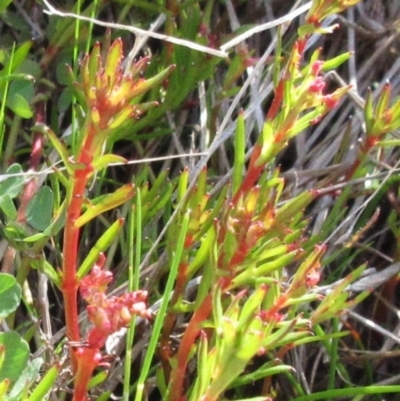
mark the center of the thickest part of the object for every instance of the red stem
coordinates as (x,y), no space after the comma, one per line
(165,348)
(253,174)
(365,149)
(276,101)
(70,282)
(88,361)
(188,339)
(239,255)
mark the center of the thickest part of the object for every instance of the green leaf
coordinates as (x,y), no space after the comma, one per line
(13,77)
(268,369)
(14,231)
(383,101)
(113,61)
(97,380)
(156,187)
(10,294)
(249,309)
(8,207)
(27,378)
(369,115)
(125,115)
(56,142)
(19,105)
(12,186)
(16,59)
(335,62)
(45,384)
(54,228)
(106,160)
(293,206)
(65,100)
(45,267)
(101,245)
(240,149)
(3,388)
(206,244)
(4,4)
(104,396)
(150,83)
(21,54)
(93,67)
(17,353)
(22,87)
(40,209)
(357,392)
(182,185)
(107,202)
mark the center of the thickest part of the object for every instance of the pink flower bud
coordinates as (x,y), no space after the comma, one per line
(312,278)
(318,85)
(316,67)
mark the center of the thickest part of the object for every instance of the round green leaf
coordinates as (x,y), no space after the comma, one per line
(19,105)
(17,353)
(10,294)
(40,209)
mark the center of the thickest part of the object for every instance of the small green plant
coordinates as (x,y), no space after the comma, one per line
(231,286)
(17,373)
(109,97)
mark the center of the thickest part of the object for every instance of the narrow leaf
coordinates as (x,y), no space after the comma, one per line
(101,245)
(240,148)
(107,202)
(59,146)
(45,384)
(383,101)
(93,67)
(106,160)
(150,83)
(369,112)
(113,60)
